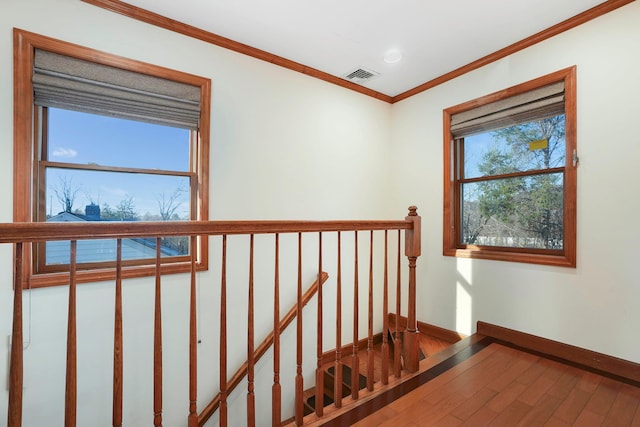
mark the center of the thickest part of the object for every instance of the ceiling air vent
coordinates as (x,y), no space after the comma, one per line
(361,75)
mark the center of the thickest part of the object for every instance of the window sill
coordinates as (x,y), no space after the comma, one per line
(499,254)
(43,280)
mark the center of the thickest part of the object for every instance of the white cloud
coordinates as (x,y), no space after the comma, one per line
(66,153)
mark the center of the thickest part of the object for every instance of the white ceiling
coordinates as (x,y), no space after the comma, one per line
(337,36)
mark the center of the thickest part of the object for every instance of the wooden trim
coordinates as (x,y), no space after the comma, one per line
(541,36)
(588,359)
(451,191)
(215,39)
(188,30)
(106,274)
(443,334)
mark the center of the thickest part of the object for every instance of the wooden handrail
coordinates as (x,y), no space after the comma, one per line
(208,411)
(18,232)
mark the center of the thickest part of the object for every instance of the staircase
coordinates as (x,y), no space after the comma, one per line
(432,339)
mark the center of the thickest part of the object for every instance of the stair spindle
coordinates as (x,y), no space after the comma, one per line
(384,349)
(299,404)
(251,402)
(14,415)
(223,336)
(397,342)
(370,353)
(71,388)
(117,342)
(412,252)
(319,371)
(276,389)
(337,385)
(157,342)
(193,338)
(355,364)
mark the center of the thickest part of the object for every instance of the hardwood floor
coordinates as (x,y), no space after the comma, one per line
(499,385)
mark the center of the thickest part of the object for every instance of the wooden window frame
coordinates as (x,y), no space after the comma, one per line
(451,208)
(25,202)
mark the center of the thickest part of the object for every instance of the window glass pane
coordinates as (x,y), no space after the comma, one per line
(88,195)
(84,195)
(529,146)
(84,138)
(104,250)
(522,212)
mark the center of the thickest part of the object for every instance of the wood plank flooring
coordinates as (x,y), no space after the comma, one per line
(503,386)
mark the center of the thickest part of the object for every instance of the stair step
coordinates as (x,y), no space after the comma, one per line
(346,377)
(309,396)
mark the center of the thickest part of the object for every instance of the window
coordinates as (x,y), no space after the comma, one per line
(510,174)
(103,138)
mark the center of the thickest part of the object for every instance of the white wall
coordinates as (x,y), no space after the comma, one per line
(596,305)
(284,145)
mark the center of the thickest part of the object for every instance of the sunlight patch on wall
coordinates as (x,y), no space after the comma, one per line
(464,296)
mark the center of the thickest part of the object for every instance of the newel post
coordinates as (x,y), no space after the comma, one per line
(412,252)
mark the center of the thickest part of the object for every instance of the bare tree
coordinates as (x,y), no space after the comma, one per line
(66,192)
(169,204)
(126,209)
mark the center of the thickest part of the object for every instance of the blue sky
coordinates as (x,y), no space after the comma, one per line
(82,138)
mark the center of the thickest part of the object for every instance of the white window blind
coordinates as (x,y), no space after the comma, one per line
(546,101)
(66,82)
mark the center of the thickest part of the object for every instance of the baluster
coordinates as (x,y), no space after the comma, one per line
(276,390)
(370,354)
(251,403)
(397,343)
(71,388)
(319,407)
(117,342)
(193,338)
(412,252)
(223,335)
(385,314)
(355,364)
(299,379)
(14,415)
(337,386)
(157,342)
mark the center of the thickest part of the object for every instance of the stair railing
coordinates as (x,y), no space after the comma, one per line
(22,235)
